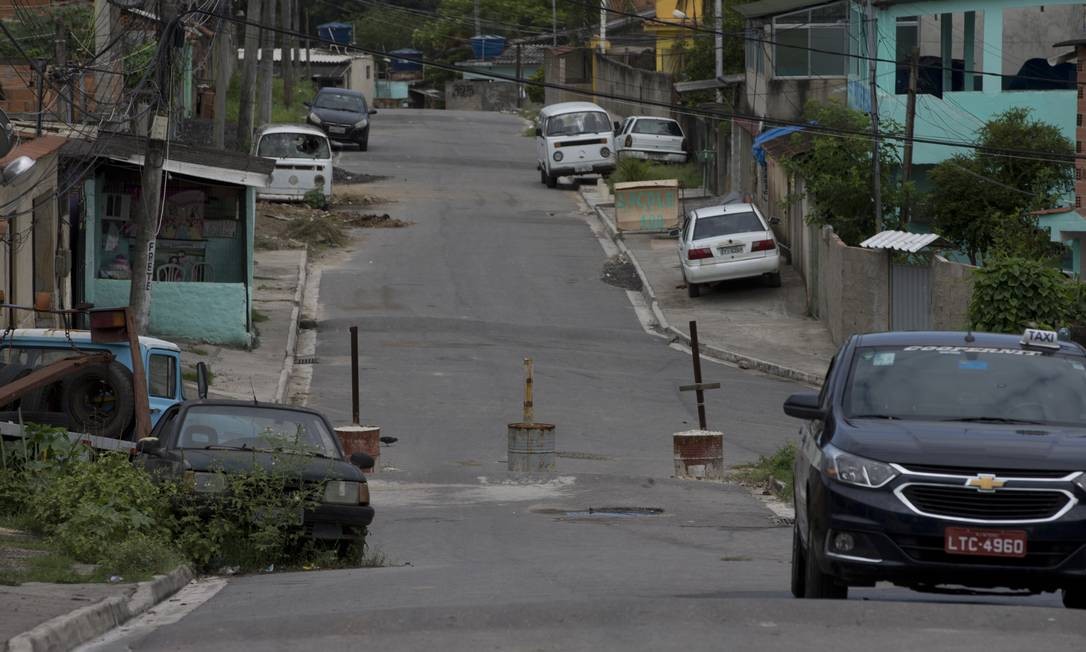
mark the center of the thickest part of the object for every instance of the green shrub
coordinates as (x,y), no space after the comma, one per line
(1011,294)
(635,169)
(316,199)
(536,94)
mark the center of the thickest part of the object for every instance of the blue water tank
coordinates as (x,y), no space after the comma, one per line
(337,33)
(487,47)
(403,65)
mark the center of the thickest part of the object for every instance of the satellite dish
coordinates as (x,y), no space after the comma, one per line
(6,140)
(17,167)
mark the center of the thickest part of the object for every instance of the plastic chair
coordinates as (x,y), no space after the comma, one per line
(202,273)
(170,272)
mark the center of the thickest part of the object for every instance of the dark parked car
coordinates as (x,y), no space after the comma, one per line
(342,114)
(939,460)
(207,439)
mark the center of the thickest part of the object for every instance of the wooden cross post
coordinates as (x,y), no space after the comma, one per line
(698,387)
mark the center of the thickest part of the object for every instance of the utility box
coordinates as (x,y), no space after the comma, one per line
(647,205)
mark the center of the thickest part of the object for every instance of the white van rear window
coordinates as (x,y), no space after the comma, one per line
(582,122)
(287,145)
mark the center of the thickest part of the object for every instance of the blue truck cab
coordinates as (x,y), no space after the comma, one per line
(96,399)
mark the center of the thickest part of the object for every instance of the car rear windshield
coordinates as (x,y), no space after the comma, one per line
(713,226)
(968,383)
(257,428)
(340,102)
(658,128)
(583,122)
(287,145)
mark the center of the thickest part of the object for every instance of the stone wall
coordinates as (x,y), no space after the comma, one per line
(480,95)
(951,291)
(618,79)
(853,294)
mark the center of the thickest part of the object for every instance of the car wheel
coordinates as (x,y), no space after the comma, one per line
(693,290)
(799,570)
(1075,597)
(364,141)
(816,584)
(773,280)
(551,180)
(542,176)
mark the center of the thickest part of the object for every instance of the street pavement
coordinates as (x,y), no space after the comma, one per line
(609,552)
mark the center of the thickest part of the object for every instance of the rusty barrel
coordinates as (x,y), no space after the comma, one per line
(699,455)
(531,448)
(361,439)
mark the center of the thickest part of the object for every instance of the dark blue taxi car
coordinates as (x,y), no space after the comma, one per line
(943,461)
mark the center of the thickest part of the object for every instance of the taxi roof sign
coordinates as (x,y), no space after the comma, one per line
(1043,339)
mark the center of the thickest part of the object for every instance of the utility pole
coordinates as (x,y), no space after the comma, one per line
(603,26)
(39,70)
(60,71)
(910,128)
(106,83)
(876,171)
(266,72)
(248,76)
(718,26)
(478,26)
(224,69)
(154,159)
(554,23)
(520,86)
(289,43)
(309,52)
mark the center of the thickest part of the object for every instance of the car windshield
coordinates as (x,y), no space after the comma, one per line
(288,145)
(573,124)
(967,383)
(340,102)
(658,128)
(257,428)
(713,226)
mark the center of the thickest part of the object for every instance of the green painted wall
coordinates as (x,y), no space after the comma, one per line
(217,313)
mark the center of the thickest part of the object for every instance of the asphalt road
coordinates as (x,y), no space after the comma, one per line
(495,268)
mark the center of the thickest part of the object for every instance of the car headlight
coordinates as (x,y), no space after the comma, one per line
(557,156)
(605,152)
(206,483)
(314,118)
(856,470)
(361,124)
(344,492)
(319,180)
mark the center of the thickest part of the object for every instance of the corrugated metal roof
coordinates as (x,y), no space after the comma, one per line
(900,241)
(300,55)
(772,7)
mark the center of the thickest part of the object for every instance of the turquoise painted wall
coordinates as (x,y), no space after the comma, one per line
(205,312)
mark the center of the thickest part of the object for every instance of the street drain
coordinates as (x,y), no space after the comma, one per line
(605,512)
(305,359)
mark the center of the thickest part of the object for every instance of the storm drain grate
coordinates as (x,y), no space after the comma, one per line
(305,359)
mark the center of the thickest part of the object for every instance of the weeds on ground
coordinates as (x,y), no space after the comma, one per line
(320,231)
(259,317)
(190,375)
(635,169)
(768,468)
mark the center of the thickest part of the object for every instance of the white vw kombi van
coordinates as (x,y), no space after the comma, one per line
(573,138)
(303,161)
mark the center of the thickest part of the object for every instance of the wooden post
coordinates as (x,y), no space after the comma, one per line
(139,380)
(354,376)
(529,407)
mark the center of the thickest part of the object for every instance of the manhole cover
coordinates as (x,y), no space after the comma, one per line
(305,359)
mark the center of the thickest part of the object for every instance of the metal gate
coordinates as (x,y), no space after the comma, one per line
(910,297)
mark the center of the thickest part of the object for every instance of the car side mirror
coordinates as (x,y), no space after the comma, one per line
(201,380)
(673,233)
(804,406)
(373,111)
(362,460)
(538,132)
(149,446)
(774,221)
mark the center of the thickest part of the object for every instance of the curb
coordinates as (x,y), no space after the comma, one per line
(86,623)
(741,359)
(292,333)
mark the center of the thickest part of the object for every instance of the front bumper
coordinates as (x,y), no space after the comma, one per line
(653,155)
(338,521)
(343,133)
(730,270)
(582,167)
(895,544)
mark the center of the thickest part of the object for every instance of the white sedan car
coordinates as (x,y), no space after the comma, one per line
(651,138)
(721,243)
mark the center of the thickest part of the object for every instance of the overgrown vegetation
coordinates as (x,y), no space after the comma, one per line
(304,91)
(769,470)
(1011,294)
(101,510)
(981,202)
(320,231)
(635,169)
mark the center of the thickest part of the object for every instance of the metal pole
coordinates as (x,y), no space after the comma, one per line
(39,67)
(354,375)
(876,170)
(520,85)
(478,27)
(529,405)
(603,25)
(695,353)
(718,26)
(554,23)
(910,127)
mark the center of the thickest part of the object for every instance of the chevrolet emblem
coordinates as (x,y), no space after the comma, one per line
(985,482)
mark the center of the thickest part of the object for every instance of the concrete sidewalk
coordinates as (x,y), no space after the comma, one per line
(740,321)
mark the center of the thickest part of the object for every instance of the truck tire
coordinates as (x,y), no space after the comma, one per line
(29,401)
(98,399)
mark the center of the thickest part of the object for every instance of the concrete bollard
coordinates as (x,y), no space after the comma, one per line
(531,448)
(361,439)
(699,455)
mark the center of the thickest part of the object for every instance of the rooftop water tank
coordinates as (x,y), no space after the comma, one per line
(487,47)
(336,33)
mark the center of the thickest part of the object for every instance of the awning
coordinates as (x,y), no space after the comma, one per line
(903,241)
(768,135)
